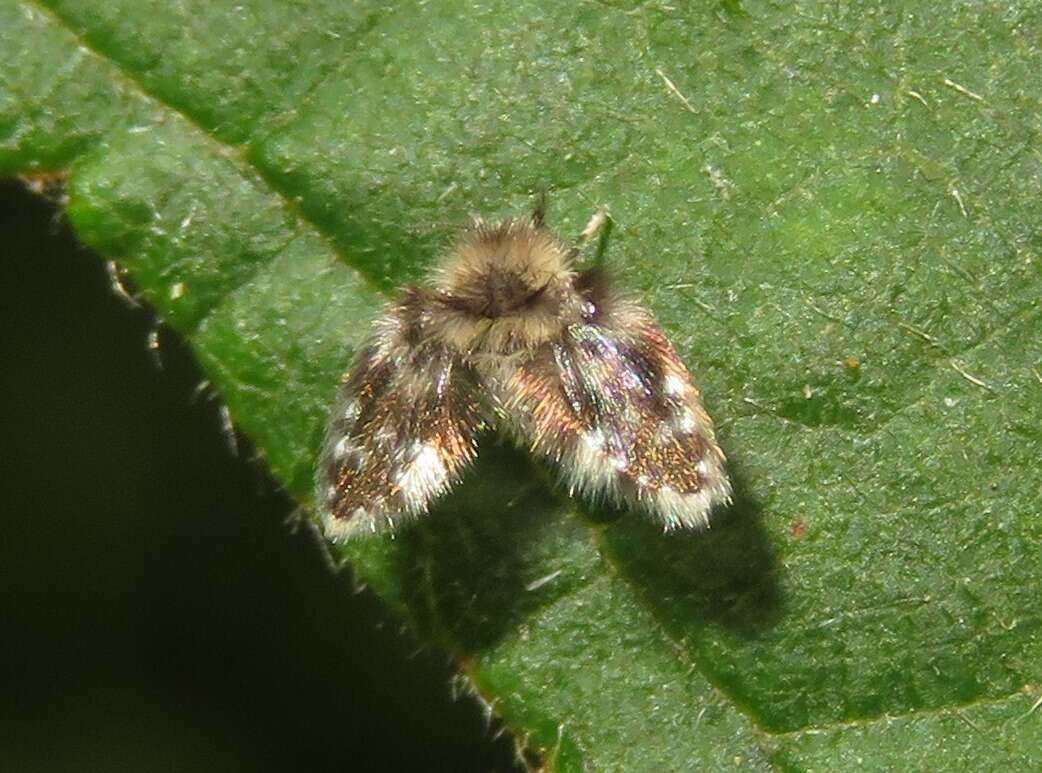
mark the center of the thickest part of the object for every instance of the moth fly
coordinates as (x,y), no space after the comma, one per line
(510,336)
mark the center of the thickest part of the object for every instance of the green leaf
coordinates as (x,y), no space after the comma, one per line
(831,208)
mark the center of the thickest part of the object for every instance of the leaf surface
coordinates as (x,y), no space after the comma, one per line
(833,211)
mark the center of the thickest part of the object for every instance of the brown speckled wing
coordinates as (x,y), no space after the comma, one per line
(612,404)
(404,428)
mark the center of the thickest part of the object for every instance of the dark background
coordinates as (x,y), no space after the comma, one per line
(156,611)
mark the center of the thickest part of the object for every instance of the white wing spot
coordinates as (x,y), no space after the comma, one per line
(683,510)
(673,385)
(343,447)
(424,476)
(594,440)
(428,457)
(686,422)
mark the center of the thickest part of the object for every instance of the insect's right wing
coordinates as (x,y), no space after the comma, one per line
(403,429)
(611,403)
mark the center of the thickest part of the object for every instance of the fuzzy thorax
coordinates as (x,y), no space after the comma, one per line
(505,288)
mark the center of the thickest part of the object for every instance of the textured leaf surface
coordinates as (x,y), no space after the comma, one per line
(832,209)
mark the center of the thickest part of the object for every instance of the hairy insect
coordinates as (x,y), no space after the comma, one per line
(510,336)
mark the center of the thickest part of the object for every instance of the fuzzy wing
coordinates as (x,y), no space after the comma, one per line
(612,404)
(403,429)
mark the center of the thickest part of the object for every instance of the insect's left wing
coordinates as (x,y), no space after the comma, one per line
(403,429)
(612,404)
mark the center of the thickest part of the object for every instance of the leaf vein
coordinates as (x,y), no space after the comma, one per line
(236,154)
